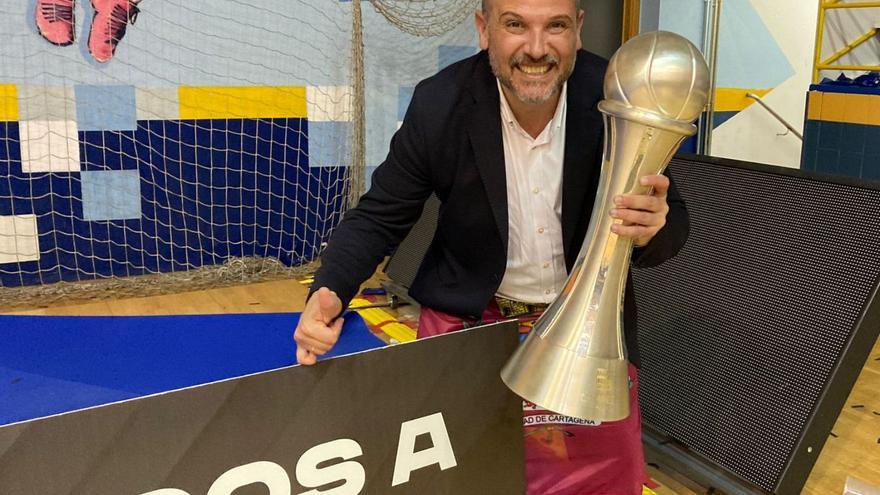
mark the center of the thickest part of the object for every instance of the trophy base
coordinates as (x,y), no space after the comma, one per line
(559,380)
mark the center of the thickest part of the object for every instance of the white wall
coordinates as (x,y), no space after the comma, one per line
(763,44)
(753,134)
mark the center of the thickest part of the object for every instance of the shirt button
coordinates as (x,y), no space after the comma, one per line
(541,230)
(546,265)
(536,190)
(547,291)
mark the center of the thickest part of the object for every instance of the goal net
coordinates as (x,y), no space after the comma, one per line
(158,145)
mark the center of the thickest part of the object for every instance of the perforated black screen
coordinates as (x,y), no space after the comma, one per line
(741,331)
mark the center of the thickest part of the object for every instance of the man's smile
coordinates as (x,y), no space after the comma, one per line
(535,70)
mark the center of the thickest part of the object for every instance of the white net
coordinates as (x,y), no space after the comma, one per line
(193,142)
(425,17)
(217,135)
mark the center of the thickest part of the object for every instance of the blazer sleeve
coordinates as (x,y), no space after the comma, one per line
(385,214)
(670,239)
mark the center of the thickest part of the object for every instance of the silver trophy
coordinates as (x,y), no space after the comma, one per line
(574,360)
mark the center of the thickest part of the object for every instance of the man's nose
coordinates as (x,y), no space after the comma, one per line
(536,45)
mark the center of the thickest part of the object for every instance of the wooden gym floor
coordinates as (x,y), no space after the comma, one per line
(852,450)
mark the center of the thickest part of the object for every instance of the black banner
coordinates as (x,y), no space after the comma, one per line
(427,417)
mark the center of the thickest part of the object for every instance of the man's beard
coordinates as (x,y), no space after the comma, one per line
(529,94)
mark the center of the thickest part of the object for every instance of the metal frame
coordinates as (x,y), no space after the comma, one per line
(843,378)
(775,114)
(828,64)
(671,455)
(631,16)
(710,48)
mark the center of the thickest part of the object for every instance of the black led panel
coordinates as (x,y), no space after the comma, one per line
(752,337)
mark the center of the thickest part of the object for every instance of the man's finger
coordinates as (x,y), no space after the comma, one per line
(660,183)
(329,304)
(318,332)
(631,230)
(313,345)
(637,217)
(305,357)
(336,327)
(640,202)
(638,233)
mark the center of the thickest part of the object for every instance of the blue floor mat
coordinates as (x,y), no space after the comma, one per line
(55,364)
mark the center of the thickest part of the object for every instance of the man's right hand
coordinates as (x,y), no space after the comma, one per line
(318,328)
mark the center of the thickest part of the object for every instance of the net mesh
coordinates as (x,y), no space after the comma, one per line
(148,146)
(425,17)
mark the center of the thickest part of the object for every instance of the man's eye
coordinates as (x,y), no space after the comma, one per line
(514,24)
(558,26)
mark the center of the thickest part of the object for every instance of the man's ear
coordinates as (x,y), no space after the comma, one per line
(482,24)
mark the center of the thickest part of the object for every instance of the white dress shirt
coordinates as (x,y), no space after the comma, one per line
(535,270)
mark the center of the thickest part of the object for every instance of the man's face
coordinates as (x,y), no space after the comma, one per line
(532,44)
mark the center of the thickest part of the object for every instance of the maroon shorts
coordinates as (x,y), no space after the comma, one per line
(563,455)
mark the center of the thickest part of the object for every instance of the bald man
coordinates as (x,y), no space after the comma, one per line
(510,141)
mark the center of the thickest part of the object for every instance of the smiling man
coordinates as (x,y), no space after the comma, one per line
(510,141)
(531,66)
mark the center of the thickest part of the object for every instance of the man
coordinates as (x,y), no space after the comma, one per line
(510,141)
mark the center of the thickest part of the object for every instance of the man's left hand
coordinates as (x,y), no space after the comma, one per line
(643,215)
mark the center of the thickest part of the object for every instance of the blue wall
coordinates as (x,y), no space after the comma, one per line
(241,192)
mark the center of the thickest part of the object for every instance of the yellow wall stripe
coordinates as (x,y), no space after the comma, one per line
(734,99)
(844,107)
(814,105)
(833,107)
(228,102)
(8,103)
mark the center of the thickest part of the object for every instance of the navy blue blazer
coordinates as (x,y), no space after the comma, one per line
(450,144)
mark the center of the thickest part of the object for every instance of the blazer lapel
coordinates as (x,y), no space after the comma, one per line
(580,166)
(484,131)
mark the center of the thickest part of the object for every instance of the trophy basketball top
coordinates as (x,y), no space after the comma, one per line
(659,79)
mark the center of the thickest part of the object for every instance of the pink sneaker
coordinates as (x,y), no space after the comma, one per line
(55,21)
(108,26)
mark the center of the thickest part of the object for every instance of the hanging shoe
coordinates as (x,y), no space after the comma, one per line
(108,26)
(55,21)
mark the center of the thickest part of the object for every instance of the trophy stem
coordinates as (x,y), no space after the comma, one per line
(574,361)
(579,340)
